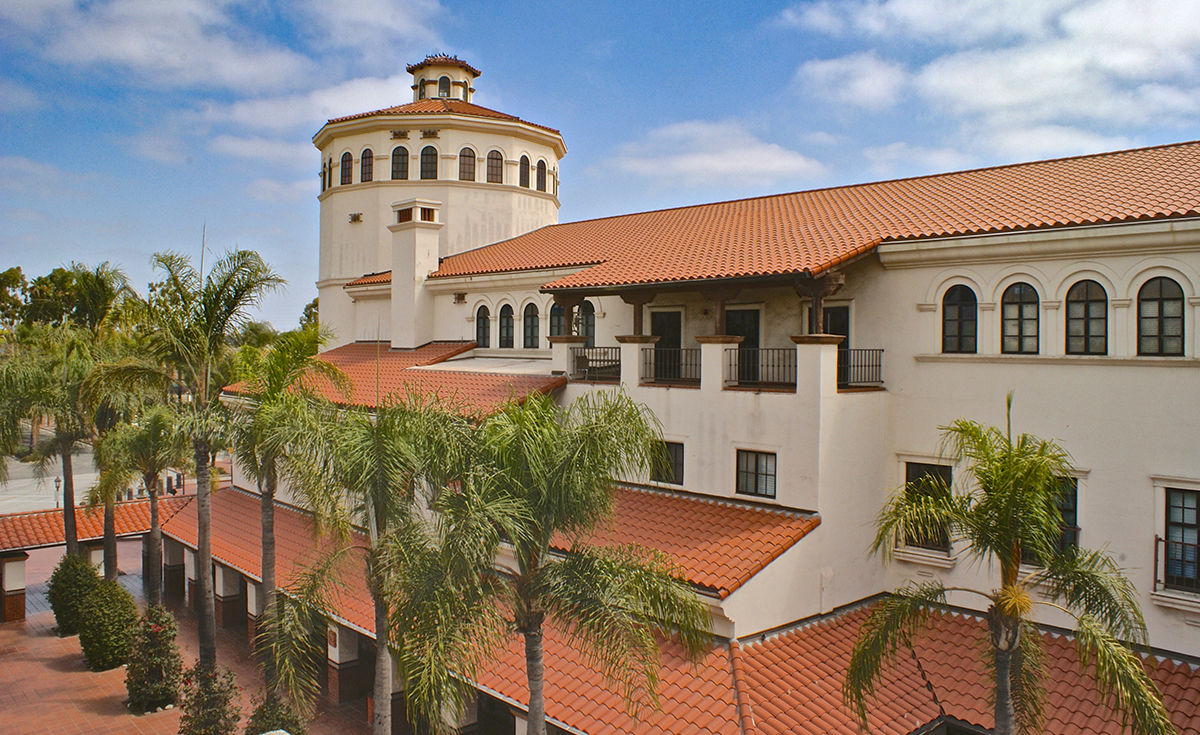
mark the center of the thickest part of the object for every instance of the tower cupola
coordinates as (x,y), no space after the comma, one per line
(443,77)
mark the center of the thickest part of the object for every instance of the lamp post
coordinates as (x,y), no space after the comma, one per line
(57,488)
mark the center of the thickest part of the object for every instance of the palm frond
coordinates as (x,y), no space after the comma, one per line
(1092,582)
(921,512)
(1122,679)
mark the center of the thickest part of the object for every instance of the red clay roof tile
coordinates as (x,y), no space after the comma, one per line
(45,527)
(442,60)
(441,106)
(371,279)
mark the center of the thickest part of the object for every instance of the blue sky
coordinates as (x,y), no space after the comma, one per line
(131,124)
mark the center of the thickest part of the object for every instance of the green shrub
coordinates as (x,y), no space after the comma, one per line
(208,707)
(72,581)
(110,619)
(155,667)
(274,714)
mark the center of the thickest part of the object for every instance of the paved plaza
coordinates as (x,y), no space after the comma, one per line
(46,689)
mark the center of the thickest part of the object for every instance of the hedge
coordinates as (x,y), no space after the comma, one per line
(110,619)
(70,585)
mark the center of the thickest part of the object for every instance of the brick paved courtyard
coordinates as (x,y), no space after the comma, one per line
(45,687)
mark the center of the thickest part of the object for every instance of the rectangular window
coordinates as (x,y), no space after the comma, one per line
(1068,507)
(920,477)
(1183,540)
(756,473)
(404,215)
(672,474)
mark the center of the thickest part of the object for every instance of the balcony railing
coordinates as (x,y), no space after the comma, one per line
(666,366)
(761,368)
(860,368)
(1176,565)
(596,364)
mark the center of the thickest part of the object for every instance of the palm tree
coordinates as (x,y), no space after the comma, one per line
(274,383)
(560,467)
(1009,513)
(144,450)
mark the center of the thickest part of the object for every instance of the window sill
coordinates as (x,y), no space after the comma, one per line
(939,559)
(1097,360)
(1177,600)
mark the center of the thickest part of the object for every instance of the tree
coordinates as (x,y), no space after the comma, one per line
(311,316)
(50,299)
(1009,513)
(12,297)
(275,380)
(560,467)
(255,334)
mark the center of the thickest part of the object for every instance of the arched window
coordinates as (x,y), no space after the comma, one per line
(429,162)
(347,168)
(495,168)
(530,322)
(1087,319)
(466,91)
(1160,318)
(400,163)
(367,166)
(959,320)
(421,89)
(466,165)
(541,176)
(1019,320)
(587,323)
(483,327)
(558,321)
(444,87)
(525,171)
(506,327)
(324,176)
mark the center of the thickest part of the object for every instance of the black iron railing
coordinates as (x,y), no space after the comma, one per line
(860,368)
(597,364)
(670,366)
(1176,565)
(770,367)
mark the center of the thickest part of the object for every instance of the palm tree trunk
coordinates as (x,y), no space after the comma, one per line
(268,570)
(153,573)
(537,680)
(110,540)
(207,627)
(1005,634)
(381,717)
(68,503)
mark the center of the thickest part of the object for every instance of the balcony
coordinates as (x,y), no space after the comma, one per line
(596,364)
(860,368)
(670,367)
(1176,565)
(771,368)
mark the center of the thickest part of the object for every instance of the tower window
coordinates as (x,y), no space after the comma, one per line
(506,327)
(347,169)
(367,166)
(444,87)
(483,327)
(399,163)
(531,327)
(466,90)
(541,176)
(324,176)
(495,168)
(524,180)
(1087,319)
(466,165)
(421,89)
(429,162)
(1160,318)
(1020,320)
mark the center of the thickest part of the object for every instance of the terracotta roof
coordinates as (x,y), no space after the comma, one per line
(441,106)
(813,231)
(719,544)
(371,279)
(45,527)
(441,60)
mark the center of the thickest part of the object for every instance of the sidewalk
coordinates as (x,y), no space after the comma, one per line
(46,689)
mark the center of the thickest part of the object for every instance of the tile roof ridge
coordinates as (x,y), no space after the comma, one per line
(745,709)
(757,639)
(721,500)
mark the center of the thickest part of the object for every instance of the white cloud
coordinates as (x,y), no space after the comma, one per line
(701,153)
(367,25)
(286,112)
(887,159)
(821,16)
(17,98)
(270,190)
(820,137)
(28,177)
(860,80)
(1049,141)
(266,149)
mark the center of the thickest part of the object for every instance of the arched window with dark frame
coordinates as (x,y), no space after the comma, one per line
(444,87)
(541,176)
(587,323)
(506,327)
(366,166)
(466,165)
(524,172)
(399,163)
(1160,318)
(421,89)
(558,321)
(1019,320)
(495,167)
(483,328)
(529,323)
(1087,319)
(347,169)
(324,177)
(429,162)
(959,321)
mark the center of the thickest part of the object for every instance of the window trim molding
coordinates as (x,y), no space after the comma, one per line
(1160,483)
(737,449)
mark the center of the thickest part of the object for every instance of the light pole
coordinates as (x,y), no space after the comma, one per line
(57,488)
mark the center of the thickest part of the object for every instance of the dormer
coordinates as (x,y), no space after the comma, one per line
(444,77)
